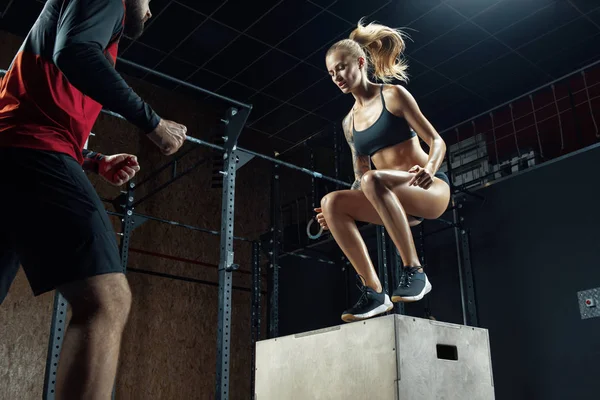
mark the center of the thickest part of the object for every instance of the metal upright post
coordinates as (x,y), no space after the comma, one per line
(313,181)
(127,224)
(255,317)
(468,276)
(422,243)
(336,155)
(465,272)
(382,258)
(274,253)
(457,237)
(258,292)
(395,265)
(463,256)
(423,260)
(235,120)
(57,333)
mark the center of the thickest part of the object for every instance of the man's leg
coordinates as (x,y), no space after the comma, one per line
(88,362)
(65,241)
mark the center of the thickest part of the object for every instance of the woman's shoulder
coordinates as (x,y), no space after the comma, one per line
(397,92)
(397,97)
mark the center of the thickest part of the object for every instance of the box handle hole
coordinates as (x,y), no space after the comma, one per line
(447,352)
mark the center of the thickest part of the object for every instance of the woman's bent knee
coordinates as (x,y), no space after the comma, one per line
(335,202)
(328,202)
(372,182)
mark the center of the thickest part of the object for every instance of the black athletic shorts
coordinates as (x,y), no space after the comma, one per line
(52,222)
(442,176)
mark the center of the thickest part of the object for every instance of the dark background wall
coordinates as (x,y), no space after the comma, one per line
(534,246)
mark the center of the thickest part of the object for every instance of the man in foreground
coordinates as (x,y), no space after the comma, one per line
(53,222)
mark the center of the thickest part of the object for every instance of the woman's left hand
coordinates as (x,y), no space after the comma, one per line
(423,177)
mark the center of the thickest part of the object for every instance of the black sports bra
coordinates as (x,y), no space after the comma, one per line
(387,131)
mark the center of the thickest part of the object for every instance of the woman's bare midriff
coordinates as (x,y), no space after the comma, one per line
(402,156)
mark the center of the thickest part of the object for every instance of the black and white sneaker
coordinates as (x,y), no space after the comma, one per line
(413,286)
(368,305)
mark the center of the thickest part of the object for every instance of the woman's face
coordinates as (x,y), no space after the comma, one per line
(345,69)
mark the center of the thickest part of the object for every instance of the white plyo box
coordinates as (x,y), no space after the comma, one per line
(393,357)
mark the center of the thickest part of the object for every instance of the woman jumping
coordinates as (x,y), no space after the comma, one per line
(405,187)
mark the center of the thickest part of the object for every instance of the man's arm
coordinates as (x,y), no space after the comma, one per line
(84,31)
(115,169)
(91,160)
(361,163)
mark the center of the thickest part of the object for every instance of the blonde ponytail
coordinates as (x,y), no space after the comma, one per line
(382,46)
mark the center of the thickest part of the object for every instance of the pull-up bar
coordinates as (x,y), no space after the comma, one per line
(264,157)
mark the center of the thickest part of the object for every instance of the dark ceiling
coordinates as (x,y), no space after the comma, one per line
(466,56)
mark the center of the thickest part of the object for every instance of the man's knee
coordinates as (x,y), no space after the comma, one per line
(107,296)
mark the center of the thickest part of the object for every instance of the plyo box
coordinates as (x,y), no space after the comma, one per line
(393,357)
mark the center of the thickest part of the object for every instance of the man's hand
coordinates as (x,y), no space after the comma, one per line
(169,136)
(118,168)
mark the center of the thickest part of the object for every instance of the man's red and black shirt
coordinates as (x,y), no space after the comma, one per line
(64,74)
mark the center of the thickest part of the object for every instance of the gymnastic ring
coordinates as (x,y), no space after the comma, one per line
(310,235)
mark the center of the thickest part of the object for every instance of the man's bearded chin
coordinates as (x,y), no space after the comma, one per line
(134,19)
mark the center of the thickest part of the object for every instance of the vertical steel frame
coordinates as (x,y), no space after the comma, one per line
(463,255)
(465,243)
(274,253)
(382,258)
(235,119)
(57,333)
(395,265)
(465,271)
(256,309)
(337,154)
(127,224)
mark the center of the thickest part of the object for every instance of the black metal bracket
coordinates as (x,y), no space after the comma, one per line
(120,202)
(138,220)
(232,267)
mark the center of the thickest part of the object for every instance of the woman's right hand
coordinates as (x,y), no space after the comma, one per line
(321,218)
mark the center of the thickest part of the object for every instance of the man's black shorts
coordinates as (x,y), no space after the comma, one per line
(53,222)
